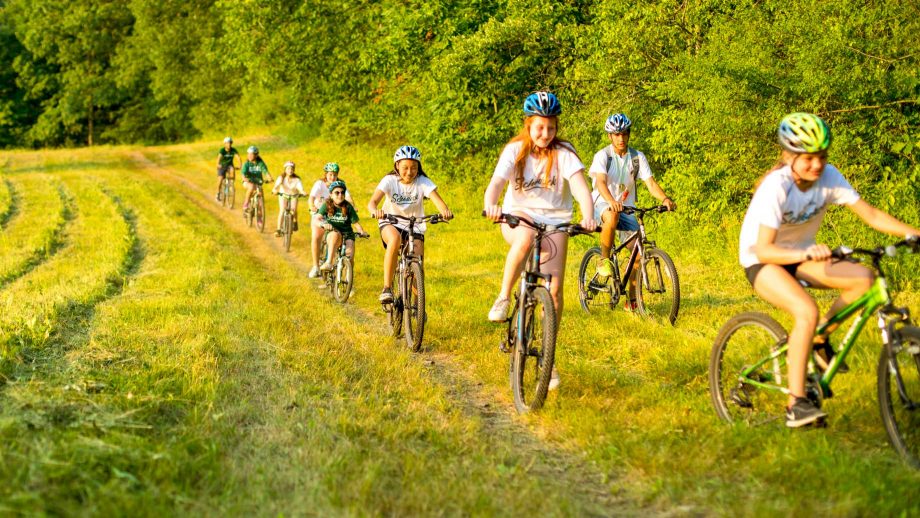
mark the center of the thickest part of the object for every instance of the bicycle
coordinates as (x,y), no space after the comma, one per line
(531,328)
(407,311)
(287,219)
(227,192)
(656,292)
(748,359)
(256,212)
(340,279)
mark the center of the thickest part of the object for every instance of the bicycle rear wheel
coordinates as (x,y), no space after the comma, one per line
(230,196)
(395,308)
(534,351)
(658,293)
(343,278)
(595,291)
(286,230)
(899,393)
(414,306)
(742,342)
(260,213)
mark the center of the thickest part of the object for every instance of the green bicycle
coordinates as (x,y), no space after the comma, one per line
(748,361)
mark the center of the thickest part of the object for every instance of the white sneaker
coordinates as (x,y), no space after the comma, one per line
(314,273)
(499,311)
(554,379)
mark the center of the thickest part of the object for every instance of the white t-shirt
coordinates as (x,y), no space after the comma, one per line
(292,186)
(405,200)
(550,205)
(619,173)
(797,215)
(321,192)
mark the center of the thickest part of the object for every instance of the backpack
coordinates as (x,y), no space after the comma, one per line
(634,159)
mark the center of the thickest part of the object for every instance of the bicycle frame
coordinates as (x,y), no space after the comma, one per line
(877,299)
(639,241)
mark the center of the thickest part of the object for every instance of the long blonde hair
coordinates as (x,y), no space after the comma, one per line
(527,147)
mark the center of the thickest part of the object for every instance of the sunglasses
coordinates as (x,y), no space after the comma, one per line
(338,193)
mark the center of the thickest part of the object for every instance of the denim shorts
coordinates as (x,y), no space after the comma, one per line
(626,223)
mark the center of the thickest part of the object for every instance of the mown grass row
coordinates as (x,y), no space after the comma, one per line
(8,202)
(211,385)
(634,397)
(37,233)
(59,288)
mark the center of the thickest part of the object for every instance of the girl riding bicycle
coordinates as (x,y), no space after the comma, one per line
(338,215)
(254,169)
(544,173)
(318,195)
(288,184)
(778,249)
(405,189)
(227,158)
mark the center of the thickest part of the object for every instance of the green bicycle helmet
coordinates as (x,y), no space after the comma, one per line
(331,167)
(804,133)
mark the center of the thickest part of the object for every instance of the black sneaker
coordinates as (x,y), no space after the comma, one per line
(803,412)
(386,296)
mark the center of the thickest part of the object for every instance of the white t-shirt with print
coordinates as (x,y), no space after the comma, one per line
(550,205)
(618,173)
(405,199)
(292,186)
(797,215)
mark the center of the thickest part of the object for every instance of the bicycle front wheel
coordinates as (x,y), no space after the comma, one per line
(260,213)
(414,306)
(344,276)
(396,308)
(222,192)
(747,340)
(595,291)
(534,351)
(659,288)
(286,230)
(899,393)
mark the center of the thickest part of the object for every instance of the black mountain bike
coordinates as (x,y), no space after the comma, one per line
(531,331)
(227,192)
(657,288)
(256,212)
(407,311)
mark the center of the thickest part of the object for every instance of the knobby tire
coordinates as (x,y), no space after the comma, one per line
(899,394)
(534,351)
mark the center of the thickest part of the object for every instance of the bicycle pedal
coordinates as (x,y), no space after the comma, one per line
(739,398)
(504,347)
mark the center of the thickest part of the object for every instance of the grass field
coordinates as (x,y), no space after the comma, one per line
(157,356)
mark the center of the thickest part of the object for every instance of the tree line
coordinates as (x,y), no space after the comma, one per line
(704,82)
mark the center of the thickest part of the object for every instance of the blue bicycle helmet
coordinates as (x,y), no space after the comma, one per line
(617,123)
(331,167)
(410,152)
(544,104)
(228,140)
(253,149)
(337,184)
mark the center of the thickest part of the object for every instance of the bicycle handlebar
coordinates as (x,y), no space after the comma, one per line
(643,211)
(430,218)
(844,253)
(571,229)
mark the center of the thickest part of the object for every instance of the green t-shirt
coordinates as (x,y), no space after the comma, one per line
(253,170)
(341,219)
(226,157)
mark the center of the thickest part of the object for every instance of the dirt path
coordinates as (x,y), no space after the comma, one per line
(465,392)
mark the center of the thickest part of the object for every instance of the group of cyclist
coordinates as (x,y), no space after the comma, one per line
(540,173)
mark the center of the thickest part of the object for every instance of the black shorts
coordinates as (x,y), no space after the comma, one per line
(222,170)
(403,234)
(754,269)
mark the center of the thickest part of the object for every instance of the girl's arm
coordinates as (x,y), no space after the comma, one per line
(769,253)
(582,193)
(218,159)
(372,204)
(881,220)
(276,186)
(360,228)
(490,203)
(442,207)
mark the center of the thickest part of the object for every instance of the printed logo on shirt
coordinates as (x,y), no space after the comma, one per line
(810,210)
(404,199)
(537,183)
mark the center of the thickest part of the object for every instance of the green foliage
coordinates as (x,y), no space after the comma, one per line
(705,82)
